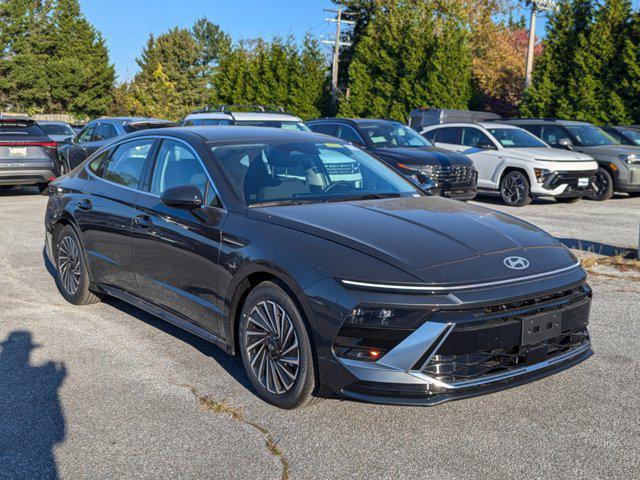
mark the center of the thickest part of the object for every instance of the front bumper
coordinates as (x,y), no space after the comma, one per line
(464,350)
(464,192)
(566,184)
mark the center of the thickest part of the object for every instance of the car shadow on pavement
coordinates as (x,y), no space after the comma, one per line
(598,247)
(31,417)
(232,364)
(18,191)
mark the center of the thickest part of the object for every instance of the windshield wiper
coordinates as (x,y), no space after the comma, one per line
(274,203)
(364,196)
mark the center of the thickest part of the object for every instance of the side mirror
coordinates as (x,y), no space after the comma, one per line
(486,146)
(185,197)
(565,143)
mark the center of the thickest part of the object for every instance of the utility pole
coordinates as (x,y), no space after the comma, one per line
(536,5)
(337,43)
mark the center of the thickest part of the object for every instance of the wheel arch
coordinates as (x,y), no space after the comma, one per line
(66,219)
(511,168)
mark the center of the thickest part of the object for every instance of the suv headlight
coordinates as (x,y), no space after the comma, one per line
(630,158)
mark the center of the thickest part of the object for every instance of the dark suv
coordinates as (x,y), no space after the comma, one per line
(99,132)
(438,171)
(27,155)
(619,165)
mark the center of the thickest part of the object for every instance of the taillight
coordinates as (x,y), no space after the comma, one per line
(50,144)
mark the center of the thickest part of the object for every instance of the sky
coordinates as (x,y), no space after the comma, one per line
(126,24)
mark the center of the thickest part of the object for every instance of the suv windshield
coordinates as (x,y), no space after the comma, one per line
(394,135)
(591,136)
(57,129)
(515,138)
(287,173)
(274,124)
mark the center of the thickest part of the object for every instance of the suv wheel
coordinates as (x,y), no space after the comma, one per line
(72,277)
(515,189)
(275,347)
(603,186)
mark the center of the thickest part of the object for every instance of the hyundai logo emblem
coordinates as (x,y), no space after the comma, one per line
(516,263)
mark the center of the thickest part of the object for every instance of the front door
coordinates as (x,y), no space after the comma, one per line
(175,251)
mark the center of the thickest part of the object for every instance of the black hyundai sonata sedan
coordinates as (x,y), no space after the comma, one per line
(364,288)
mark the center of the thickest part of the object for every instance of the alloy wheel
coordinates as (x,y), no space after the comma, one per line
(513,189)
(601,183)
(69,266)
(272,347)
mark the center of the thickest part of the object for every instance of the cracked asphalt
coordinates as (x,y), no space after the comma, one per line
(107,391)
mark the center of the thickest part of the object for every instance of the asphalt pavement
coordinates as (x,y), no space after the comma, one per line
(107,391)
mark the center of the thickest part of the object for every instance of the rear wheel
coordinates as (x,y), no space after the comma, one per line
(515,189)
(72,276)
(275,347)
(603,186)
(568,199)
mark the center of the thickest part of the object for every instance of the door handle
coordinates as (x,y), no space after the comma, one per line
(143,221)
(85,204)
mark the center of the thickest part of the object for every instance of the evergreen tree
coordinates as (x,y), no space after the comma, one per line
(212,43)
(156,96)
(631,59)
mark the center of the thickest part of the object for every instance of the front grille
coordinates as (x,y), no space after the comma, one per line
(448,175)
(489,340)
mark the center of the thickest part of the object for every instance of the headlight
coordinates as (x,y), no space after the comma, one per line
(424,169)
(541,174)
(385,317)
(630,158)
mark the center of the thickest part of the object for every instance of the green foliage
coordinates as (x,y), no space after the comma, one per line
(53,59)
(409,55)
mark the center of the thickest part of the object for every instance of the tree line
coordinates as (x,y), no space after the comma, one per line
(404,54)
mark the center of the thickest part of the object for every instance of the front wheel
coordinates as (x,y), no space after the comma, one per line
(603,186)
(515,189)
(275,347)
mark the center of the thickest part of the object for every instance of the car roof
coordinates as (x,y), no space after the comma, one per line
(471,124)
(245,116)
(356,121)
(51,122)
(538,121)
(124,120)
(224,133)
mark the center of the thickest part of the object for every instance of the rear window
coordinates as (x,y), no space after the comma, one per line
(56,129)
(26,129)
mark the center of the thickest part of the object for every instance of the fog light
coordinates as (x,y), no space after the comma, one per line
(541,174)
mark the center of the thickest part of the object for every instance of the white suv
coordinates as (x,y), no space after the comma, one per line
(515,163)
(247,115)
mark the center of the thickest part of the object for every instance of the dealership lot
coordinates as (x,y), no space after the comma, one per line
(108,391)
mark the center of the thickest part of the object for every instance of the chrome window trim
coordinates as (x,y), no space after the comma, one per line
(420,288)
(158,137)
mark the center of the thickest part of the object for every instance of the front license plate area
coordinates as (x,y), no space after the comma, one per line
(17,151)
(538,328)
(583,182)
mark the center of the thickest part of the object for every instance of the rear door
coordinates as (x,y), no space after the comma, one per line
(105,209)
(485,160)
(102,134)
(25,146)
(176,252)
(449,138)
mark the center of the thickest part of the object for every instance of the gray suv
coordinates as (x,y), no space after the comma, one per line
(618,165)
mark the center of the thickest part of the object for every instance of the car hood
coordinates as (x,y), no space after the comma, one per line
(438,241)
(607,151)
(548,154)
(424,155)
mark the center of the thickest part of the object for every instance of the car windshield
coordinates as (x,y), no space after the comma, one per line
(57,129)
(515,138)
(394,135)
(293,125)
(591,136)
(307,172)
(632,135)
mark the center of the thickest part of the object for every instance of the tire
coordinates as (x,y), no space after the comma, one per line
(568,199)
(604,186)
(72,277)
(515,189)
(634,194)
(270,368)
(42,187)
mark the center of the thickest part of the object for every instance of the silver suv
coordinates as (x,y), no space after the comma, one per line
(246,115)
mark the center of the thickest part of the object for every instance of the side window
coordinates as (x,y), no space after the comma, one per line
(97,163)
(85,135)
(325,128)
(450,135)
(349,134)
(177,165)
(552,134)
(472,137)
(104,131)
(126,164)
